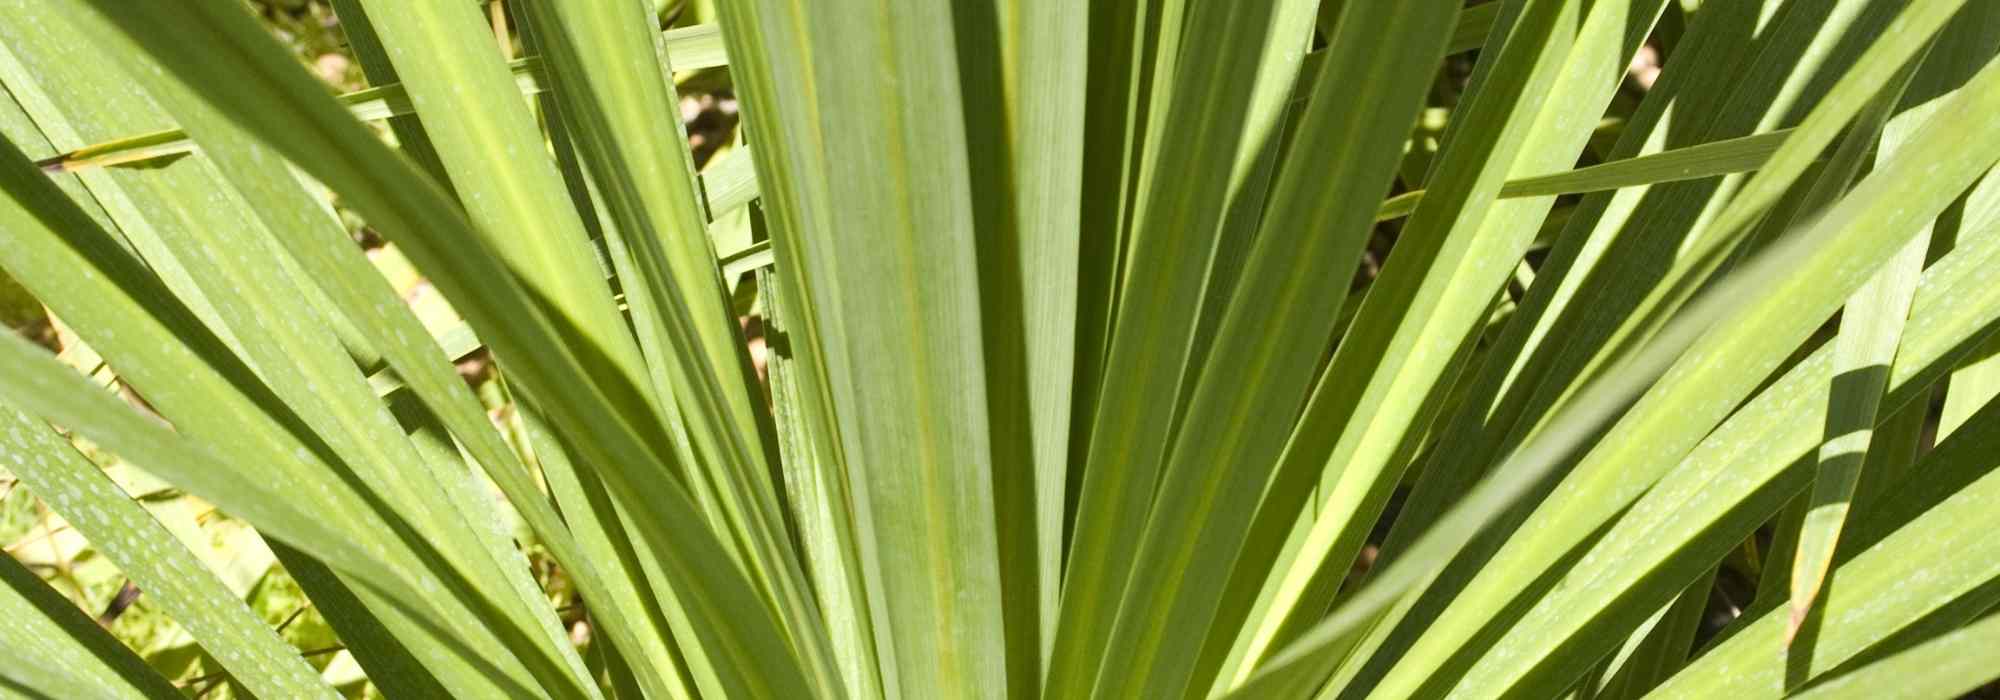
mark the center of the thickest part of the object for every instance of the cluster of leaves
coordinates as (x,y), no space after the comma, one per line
(1677,385)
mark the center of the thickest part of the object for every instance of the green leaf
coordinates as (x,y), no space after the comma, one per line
(817,488)
(329,257)
(1742,154)
(343,154)
(1024,110)
(1872,321)
(1935,571)
(1015,348)
(1475,24)
(1949,666)
(38,384)
(54,650)
(1178,214)
(220,395)
(1884,205)
(1902,40)
(604,64)
(1873,221)
(1659,648)
(1394,365)
(1575,509)
(1116,112)
(729,182)
(1736,478)
(1613,276)
(1317,220)
(155,561)
(772,66)
(692,48)
(886,273)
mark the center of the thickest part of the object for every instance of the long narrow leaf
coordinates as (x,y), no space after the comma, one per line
(352,162)
(1317,221)
(53,650)
(155,561)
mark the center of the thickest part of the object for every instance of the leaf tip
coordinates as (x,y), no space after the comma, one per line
(1800,608)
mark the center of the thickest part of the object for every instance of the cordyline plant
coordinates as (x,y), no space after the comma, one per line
(1074,390)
